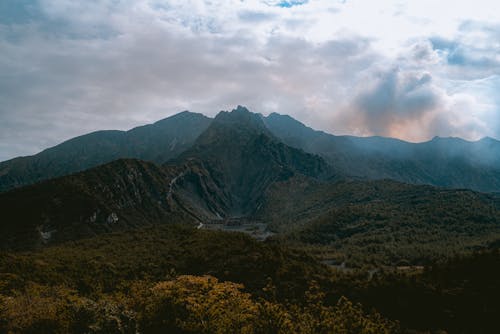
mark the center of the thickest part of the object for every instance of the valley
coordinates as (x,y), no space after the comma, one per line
(255,229)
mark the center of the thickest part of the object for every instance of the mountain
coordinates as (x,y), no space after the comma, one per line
(446,162)
(120,195)
(223,175)
(101,250)
(156,142)
(245,158)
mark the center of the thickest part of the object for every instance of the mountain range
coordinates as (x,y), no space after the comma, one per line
(224,174)
(305,185)
(446,162)
(92,230)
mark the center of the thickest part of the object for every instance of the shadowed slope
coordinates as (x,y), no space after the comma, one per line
(120,195)
(156,142)
(245,158)
(447,162)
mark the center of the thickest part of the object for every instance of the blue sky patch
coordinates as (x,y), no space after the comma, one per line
(291,3)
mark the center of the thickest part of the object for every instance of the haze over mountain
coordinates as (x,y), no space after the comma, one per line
(447,162)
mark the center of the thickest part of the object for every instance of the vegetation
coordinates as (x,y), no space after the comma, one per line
(409,258)
(177,279)
(381,223)
(460,295)
(136,281)
(102,264)
(185,304)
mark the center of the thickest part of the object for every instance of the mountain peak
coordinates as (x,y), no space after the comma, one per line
(241,108)
(239,113)
(182,116)
(488,140)
(244,156)
(242,118)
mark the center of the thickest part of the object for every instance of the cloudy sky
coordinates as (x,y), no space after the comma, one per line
(406,69)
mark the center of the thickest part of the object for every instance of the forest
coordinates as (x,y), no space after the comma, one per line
(180,280)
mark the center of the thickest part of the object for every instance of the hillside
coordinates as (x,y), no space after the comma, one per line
(223,176)
(156,142)
(380,222)
(245,158)
(121,195)
(446,162)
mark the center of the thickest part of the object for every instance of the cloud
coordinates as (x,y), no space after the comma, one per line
(255,16)
(473,52)
(412,98)
(67,68)
(395,103)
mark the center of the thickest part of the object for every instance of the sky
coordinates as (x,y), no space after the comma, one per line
(406,69)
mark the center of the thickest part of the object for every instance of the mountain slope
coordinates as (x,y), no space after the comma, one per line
(223,175)
(381,222)
(156,142)
(447,162)
(117,196)
(237,168)
(245,158)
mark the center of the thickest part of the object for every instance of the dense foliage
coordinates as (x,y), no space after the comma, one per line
(128,282)
(186,304)
(177,279)
(102,263)
(460,295)
(381,222)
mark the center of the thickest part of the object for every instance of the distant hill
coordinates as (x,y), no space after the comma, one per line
(380,222)
(446,162)
(156,142)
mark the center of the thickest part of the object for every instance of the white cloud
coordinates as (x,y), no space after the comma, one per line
(69,67)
